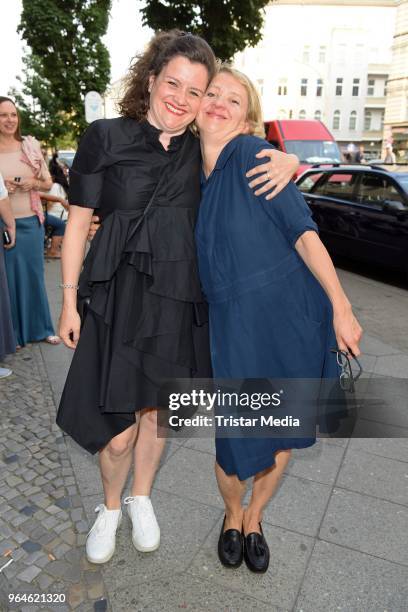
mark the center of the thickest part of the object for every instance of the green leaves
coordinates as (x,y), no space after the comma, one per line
(227,25)
(67,59)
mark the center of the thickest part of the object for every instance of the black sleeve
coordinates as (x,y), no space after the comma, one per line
(88,168)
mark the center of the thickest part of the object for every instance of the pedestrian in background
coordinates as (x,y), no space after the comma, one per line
(7,337)
(57,172)
(360,155)
(25,174)
(390,157)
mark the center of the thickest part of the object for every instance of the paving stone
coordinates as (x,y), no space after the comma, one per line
(393,447)
(63,503)
(321,462)
(370,525)
(69,536)
(96,590)
(341,579)
(377,476)
(194,467)
(44,581)
(183,591)
(66,571)
(30,546)
(29,510)
(29,573)
(298,505)
(76,595)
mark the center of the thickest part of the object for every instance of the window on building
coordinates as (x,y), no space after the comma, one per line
(339,86)
(318,115)
(291,114)
(367,120)
(260,86)
(353,120)
(385,87)
(319,87)
(382,118)
(282,114)
(336,120)
(306,54)
(356,87)
(303,87)
(370,87)
(322,54)
(282,87)
(302,114)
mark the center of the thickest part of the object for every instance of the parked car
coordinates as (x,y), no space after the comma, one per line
(311,141)
(361,211)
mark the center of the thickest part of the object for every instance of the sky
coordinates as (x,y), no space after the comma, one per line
(125,38)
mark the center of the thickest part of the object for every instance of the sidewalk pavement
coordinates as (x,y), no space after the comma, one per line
(337,527)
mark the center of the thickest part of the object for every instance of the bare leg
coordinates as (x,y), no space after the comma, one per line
(148,450)
(232,490)
(265,484)
(115,461)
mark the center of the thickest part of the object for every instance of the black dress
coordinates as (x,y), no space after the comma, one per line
(147,320)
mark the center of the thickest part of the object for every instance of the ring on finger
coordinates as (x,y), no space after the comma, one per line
(268,175)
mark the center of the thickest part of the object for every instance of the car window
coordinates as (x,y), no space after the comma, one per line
(306,183)
(338,185)
(376,189)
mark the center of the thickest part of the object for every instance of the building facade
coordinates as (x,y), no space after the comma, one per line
(396,112)
(328,61)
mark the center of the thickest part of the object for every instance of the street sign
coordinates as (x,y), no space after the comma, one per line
(93,106)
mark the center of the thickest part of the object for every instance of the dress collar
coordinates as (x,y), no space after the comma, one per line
(223,157)
(152,135)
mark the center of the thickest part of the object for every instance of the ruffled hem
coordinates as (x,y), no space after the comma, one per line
(160,246)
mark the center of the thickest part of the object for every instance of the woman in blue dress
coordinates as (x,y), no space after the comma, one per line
(276,304)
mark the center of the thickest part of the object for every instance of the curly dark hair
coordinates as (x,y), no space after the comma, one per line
(160,50)
(17,133)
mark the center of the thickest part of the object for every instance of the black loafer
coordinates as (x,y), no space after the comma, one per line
(230,547)
(256,552)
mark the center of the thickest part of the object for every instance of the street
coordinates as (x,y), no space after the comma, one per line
(337,527)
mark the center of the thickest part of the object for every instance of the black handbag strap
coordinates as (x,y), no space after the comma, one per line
(149,204)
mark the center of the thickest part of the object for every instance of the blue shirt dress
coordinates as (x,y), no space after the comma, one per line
(269,316)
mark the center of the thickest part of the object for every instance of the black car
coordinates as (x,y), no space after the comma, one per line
(361,210)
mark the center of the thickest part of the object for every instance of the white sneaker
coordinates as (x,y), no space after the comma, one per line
(146,531)
(100,544)
(4,372)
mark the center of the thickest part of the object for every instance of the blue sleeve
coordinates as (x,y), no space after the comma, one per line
(288,210)
(87,173)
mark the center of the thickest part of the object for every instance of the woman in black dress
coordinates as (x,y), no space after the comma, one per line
(146,320)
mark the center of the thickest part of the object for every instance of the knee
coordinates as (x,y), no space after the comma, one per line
(149,418)
(121,445)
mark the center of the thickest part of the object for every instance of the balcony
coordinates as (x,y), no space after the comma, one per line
(374,102)
(372,134)
(378,70)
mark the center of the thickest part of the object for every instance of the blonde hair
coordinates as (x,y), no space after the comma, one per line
(254,114)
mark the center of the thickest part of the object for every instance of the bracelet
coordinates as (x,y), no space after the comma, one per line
(68,286)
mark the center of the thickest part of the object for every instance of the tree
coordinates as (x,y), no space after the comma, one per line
(67,59)
(227,25)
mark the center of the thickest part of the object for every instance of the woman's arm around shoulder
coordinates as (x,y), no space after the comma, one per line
(274,170)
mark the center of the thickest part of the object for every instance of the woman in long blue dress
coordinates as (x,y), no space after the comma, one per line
(276,305)
(7,338)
